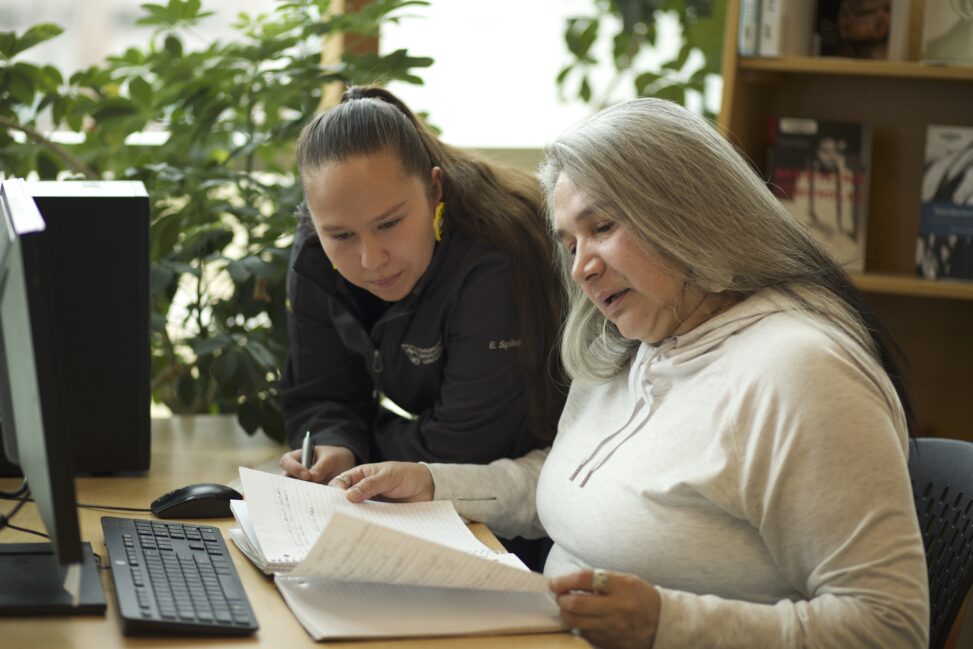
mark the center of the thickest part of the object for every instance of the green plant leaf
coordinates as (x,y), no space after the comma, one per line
(49,79)
(33,36)
(584,90)
(75,115)
(48,165)
(204,240)
(224,370)
(624,48)
(206,346)
(238,271)
(157,322)
(673,92)
(20,82)
(263,358)
(8,41)
(272,420)
(141,92)
(173,46)
(114,108)
(373,68)
(259,267)
(160,277)
(248,414)
(158,15)
(644,81)
(186,391)
(165,234)
(580,34)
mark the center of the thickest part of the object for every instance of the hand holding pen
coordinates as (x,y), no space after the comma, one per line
(316,463)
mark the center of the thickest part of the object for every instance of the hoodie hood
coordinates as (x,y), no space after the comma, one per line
(685,353)
(656,367)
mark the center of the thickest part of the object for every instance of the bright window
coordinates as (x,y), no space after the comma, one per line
(493,80)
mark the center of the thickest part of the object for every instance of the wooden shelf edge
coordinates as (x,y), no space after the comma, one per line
(913,286)
(857,67)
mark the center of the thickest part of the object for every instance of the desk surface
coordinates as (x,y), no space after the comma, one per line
(187,450)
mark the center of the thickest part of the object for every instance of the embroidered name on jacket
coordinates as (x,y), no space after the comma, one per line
(423,355)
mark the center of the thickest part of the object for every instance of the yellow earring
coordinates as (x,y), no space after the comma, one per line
(437,221)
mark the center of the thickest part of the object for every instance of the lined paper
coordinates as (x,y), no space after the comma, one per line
(288,515)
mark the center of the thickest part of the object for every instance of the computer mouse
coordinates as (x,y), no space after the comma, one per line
(205,500)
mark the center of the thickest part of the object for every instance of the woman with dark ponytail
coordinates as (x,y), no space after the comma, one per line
(421,275)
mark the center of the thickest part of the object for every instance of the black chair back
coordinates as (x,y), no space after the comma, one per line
(942,484)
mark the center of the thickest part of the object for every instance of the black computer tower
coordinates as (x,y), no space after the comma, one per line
(96,252)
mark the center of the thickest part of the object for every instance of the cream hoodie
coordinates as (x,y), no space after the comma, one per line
(753,470)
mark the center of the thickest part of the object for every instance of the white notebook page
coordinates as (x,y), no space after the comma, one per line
(288,515)
(353,549)
(333,609)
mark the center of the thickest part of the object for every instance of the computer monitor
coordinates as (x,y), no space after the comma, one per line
(94,260)
(60,576)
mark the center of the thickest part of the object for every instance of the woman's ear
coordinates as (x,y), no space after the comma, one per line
(436,184)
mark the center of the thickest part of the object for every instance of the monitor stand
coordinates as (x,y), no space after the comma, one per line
(31,582)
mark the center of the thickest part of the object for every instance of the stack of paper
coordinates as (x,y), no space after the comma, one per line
(383,569)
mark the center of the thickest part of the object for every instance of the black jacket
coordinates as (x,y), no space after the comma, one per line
(447,352)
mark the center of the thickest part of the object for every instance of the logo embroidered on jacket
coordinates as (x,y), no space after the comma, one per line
(423,355)
(505,344)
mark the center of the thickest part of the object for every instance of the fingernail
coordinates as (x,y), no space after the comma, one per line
(354,494)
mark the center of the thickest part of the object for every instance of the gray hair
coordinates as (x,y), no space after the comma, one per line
(668,176)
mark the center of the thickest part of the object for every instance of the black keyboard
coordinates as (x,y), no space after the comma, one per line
(175,578)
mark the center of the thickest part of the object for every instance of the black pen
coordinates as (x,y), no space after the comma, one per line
(307,451)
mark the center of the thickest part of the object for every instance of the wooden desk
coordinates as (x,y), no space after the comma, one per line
(187,450)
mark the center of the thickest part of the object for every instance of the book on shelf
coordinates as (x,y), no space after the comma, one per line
(947,33)
(944,248)
(819,171)
(375,569)
(748,32)
(863,29)
(786,27)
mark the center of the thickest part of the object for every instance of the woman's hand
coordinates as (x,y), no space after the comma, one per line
(407,482)
(329,461)
(624,612)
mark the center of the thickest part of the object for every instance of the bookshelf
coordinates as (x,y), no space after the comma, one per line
(931,320)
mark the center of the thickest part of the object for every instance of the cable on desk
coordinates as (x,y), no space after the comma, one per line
(84,505)
(28,531)
(5,518)
(5,522)
(115,508)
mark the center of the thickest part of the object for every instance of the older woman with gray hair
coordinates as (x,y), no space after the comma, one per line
(730,468)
